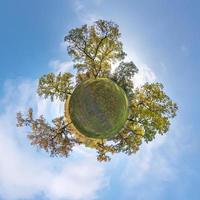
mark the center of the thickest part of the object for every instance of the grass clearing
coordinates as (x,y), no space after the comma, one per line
(98,108)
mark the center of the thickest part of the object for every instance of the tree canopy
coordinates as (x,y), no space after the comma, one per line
(123,75)
(94,49)
(56,139)
(53,86)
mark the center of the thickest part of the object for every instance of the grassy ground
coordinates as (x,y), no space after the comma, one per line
(98,108)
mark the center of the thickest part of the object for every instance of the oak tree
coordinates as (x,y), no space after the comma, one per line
(95,48)
(55,86)
(55,139)
(123,76)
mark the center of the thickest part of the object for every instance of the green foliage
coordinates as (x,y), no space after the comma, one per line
(94,48)
(152,109)
(130,139)
(56,139)
(150,113)
(52,86)
(123,75)
(127,141)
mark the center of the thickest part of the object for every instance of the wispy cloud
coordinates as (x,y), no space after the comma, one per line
(149,161)
(144,75)
(157,164)
(58,66)
(84,12)
(24,172)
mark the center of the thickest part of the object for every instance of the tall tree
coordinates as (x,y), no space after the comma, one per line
(123,76)
(152,109)
(55,86)
(55,139)
(94,48)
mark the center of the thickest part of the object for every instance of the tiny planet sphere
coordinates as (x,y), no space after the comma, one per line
(98,108)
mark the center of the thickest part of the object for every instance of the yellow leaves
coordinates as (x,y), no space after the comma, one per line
(152,109)
(55,139)
(103,157)
(43,143)
(94,48)
(136,128)
(53,86)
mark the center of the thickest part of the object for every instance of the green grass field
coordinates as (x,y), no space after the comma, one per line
(98,108)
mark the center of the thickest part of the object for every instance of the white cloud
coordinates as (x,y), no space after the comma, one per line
(146,72)
(62,67)
(144,75)
(157,165)
(79,179)
(81,10)
(25,173)
(150,162)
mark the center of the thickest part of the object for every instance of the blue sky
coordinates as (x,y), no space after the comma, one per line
(162,38)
